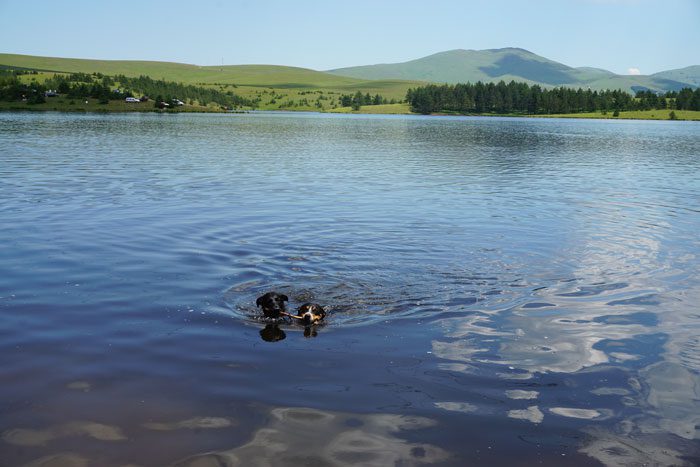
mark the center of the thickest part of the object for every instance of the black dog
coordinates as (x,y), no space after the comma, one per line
(311,313)
(272,304)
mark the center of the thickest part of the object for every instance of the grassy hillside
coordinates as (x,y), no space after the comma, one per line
(460,66)
(291,88)
(181,72)
(274,87)
(452,67)
(389,80)
(387,109)
(240,75)
(690,74)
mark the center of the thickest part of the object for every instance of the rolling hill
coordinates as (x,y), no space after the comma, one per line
(690,74)
(281,77)
(507,64)
(390,80)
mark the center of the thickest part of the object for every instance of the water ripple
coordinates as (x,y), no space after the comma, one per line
(532,282)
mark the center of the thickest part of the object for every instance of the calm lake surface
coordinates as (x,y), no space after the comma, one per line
(501,291)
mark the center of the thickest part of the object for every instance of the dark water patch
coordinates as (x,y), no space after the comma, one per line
(597,289)
(651,299)
(538,305)
(642,318)
(638,351)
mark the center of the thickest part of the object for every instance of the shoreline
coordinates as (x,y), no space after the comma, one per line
(396,109)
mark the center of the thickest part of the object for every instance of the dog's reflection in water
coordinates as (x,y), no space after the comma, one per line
(310,331)
(273,333)
(273,307)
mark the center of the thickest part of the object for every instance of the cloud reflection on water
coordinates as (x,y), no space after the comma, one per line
(29,437)
(292,436)
(303,436)
(672,402)
(532,414)
(196,423)
(65,459)
(629,307)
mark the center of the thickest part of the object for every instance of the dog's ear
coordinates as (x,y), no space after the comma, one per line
(259,301)
(284,297)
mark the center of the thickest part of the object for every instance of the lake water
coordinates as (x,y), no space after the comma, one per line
(501,291)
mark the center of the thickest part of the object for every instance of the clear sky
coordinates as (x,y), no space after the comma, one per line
(622,36)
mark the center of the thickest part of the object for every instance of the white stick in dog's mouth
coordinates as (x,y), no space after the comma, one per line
(284,313)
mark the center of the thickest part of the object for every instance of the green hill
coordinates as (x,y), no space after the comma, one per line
(690,74)
(267,87)
(506,64)
(466,65)
(241,75)
(389,80)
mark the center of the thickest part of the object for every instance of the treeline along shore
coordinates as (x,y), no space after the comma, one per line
(521,98)
(28,89)
(32,87)
(105,88)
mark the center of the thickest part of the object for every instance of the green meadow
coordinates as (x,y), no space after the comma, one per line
(271,87)
(274,87)
(387,109)
(253,75)
(300,98)
(79,105)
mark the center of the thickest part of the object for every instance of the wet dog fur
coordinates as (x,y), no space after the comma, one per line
(311,313)
(272,304)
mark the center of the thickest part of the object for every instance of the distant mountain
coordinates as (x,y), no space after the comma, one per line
(690,74)
(454,66)
(492,65)
(595,71)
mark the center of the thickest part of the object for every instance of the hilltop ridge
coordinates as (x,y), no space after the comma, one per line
(451,66)
(513,63)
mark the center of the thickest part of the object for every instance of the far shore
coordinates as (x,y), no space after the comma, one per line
(92,105)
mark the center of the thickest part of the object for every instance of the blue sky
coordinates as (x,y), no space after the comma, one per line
(618,35)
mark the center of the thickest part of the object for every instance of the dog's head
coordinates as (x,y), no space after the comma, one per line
(272,304)
(311,313)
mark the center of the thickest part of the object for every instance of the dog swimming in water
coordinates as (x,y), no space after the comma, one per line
(311,313)
(273,306)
